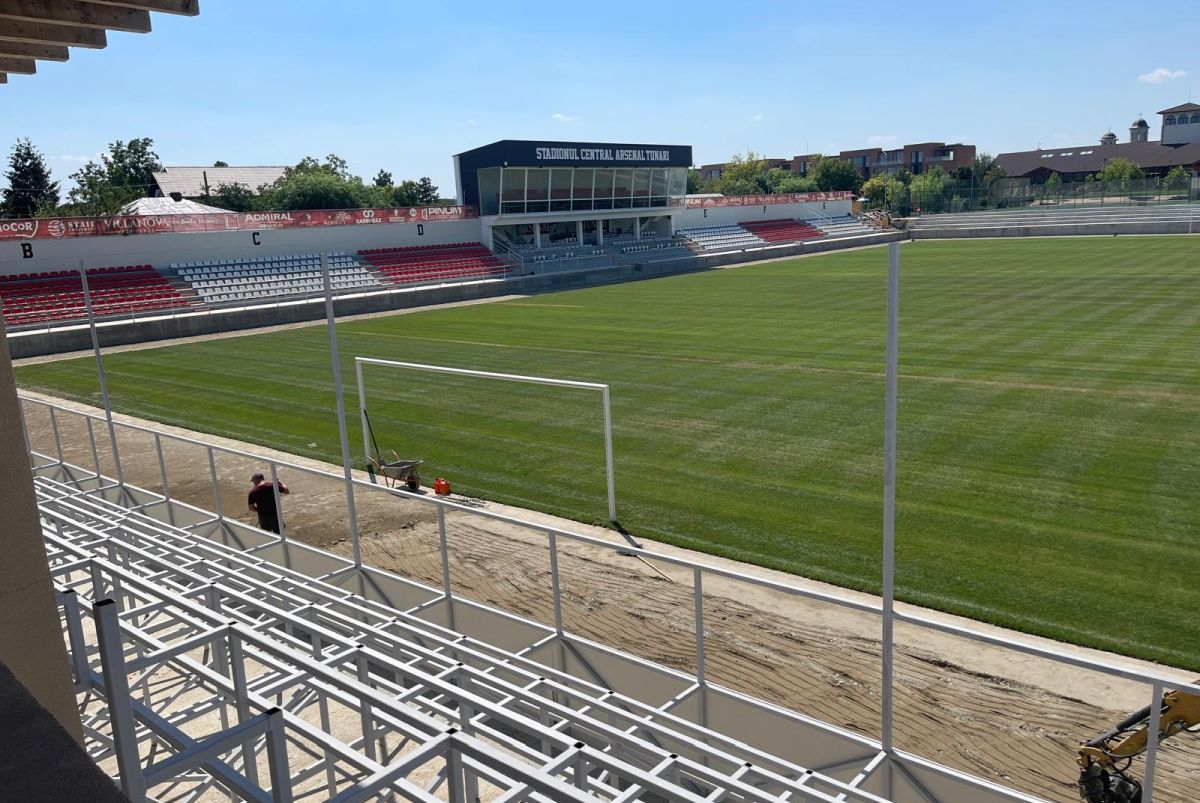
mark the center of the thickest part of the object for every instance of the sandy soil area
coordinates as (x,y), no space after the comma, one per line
(980,709)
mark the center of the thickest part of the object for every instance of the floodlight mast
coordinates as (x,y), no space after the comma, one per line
(605,396)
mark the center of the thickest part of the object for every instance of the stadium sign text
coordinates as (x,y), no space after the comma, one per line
(602,154)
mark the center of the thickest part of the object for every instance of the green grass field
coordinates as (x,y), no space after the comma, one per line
(1049,473)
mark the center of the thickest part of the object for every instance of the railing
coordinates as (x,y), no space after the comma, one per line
(700,572)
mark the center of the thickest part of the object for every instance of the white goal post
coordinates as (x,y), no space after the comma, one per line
(359,362)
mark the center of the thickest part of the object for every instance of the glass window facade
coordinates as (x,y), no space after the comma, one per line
(520,190)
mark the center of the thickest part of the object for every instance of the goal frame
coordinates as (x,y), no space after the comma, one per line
(605,398)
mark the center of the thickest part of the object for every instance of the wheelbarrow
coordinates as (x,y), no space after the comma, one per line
(397,471)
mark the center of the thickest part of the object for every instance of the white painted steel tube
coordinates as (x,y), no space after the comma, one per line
(889,489)
(352,514)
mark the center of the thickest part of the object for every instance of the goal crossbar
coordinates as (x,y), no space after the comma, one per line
(605,398)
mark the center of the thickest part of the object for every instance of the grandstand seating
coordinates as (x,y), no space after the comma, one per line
(31,298)
(782,231)
(713,238)
(842,226)
(222,281)
(435,263)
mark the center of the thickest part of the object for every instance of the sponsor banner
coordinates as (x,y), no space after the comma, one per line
(761,200)
(58,228)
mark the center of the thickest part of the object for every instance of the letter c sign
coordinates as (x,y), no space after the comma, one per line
(254,238)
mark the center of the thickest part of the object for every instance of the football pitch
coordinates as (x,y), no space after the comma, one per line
(1049,432)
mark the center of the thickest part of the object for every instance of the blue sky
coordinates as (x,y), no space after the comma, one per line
(402,86)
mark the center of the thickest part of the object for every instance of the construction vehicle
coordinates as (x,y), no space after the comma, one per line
(1105,760)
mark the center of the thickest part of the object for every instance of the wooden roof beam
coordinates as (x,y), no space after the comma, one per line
(188,8)
(22,66)
(74,12)
(44,33)
(24,50)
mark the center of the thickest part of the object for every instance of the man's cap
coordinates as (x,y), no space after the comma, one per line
(258,475)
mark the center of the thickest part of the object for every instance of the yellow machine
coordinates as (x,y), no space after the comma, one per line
(1104,761)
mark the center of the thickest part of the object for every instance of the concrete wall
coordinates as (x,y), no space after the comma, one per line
(730,215)
(31,641)
(160,250)
(926,232)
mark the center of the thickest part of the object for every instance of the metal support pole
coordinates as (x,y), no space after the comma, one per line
(166,484)
(1152,734)
(237,666)
(362,408)
(278,501)
(216,486)
(277,759)
(341,411)
(25,427)
(112,430)
(889,489)
(79,661)
(444,543)
(608,456)
(554,583)
(116,694)
(366,719)
(91,444)
(701,681)
(57,438)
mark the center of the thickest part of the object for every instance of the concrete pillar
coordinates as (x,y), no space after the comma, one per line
(579,231)
(637,228)
(31,642)
(537,235)
(599,232)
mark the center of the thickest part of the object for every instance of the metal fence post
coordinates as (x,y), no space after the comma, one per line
(445,548)
(91,444)
(166,485)
(701,679)
(216,487)
(1152,733)
(278,502)
(116,693)
(57,439)
(889,491)
(608,455)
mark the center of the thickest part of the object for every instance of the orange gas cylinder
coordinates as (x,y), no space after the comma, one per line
(441,487)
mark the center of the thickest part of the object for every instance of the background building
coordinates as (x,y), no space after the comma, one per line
(914,158)
(1177,146)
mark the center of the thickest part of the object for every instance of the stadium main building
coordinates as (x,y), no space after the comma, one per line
(580,192)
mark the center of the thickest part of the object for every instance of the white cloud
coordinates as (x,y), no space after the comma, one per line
(66,157)
(562,118)
(1160,75)
(881,139)
(756,118)
(472,122)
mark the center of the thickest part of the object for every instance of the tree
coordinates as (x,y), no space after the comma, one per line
(927,191)
(793,183)
(406,193)
(219,163)
(833,175)
(235,197)
(886,190)
(383,178)
(427,191)
(315,190)
(29,187)
(1118,169)
(123,174)
(743,175)
(1178,178)
(1054,185)
(695,184)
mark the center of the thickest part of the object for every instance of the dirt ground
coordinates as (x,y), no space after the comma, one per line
(987,711)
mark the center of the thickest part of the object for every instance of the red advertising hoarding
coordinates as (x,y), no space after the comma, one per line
(59,228)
